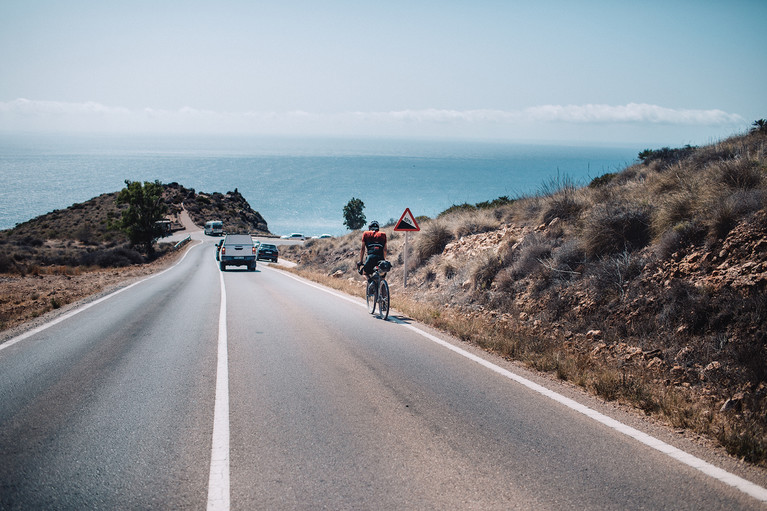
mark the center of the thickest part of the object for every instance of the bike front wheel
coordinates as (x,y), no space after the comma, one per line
(372,296)
(383,300)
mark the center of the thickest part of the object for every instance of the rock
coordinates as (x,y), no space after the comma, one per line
(653,354)
(735,403)
(632,352)
(338,274)
(593,334)
(713,366)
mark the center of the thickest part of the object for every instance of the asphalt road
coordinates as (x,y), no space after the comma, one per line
(321,406)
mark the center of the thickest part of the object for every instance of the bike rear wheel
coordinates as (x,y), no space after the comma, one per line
(383,300)
(371,295)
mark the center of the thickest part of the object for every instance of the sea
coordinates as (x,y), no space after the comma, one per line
(297,184)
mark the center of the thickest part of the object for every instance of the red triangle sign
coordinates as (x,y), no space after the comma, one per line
(407,222)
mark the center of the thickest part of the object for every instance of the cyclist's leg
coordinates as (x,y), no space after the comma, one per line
(370,264)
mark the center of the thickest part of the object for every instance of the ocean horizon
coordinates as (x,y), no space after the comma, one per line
(297,184)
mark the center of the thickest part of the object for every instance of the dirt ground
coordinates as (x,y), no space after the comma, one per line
(52,291)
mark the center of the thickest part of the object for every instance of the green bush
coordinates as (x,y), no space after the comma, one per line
(666,156)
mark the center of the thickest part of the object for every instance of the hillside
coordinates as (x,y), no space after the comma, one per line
(83,235)
(66,255)
(647,287)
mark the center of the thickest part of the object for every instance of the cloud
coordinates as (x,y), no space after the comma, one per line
(23,106)
(548,120)
(586,114)
(630,113)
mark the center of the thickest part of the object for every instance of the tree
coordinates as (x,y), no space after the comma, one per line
(759,126)
(354,218)
(145,208)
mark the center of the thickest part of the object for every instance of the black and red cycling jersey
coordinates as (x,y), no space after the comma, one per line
(375,242)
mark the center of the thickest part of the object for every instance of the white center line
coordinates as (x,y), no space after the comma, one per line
(218,482)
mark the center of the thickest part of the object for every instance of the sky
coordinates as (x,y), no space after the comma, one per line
(665,72)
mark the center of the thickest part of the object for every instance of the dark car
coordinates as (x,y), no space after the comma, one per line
(267,252)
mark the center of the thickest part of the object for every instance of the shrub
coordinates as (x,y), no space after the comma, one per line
(602,180)
(473,223)
(432,240)
(686,305)
(30,241)
(6,264)
(457,208)
(448,269)
(532,251)
(683,235)
(563,205)
(740,173)
(615,228)
(568,259)
(495,203)
(666,156)
(466,207)
(726,213)
(614,273)
(759,126)
(674,209)
(485,268)
(112,258)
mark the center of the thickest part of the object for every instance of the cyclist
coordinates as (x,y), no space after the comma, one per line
(374,243)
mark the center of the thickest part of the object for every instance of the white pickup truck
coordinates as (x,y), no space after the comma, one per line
(237,250)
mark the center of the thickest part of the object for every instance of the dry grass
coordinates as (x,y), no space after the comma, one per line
(44,289)
(431,241)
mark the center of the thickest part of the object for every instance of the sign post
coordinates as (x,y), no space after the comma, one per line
(407,224)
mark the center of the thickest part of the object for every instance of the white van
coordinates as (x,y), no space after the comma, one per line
(214,228)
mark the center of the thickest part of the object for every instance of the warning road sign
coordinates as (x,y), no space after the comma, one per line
(407,222)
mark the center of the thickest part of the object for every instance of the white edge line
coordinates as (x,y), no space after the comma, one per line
(84,307)
(218,480)
(708,469)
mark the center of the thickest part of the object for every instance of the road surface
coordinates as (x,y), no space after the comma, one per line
(199,389)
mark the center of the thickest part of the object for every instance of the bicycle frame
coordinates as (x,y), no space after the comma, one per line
(377,294)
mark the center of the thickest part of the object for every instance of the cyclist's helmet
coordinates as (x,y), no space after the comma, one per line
(373,226)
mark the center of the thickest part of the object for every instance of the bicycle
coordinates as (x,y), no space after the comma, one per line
(377,291)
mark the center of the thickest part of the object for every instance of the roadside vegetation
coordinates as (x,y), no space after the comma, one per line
(646,286)
(68,254)
(102,233)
